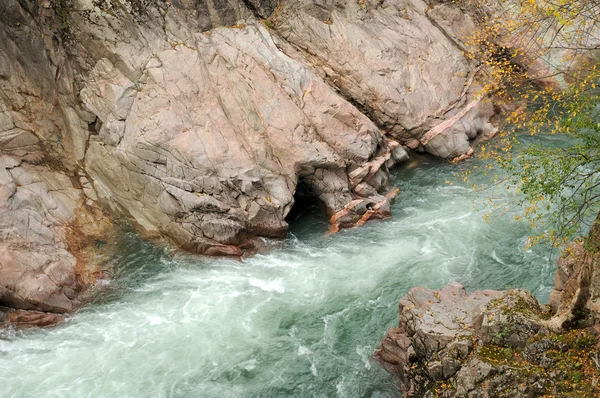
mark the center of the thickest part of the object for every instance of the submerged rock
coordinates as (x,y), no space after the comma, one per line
(22,319)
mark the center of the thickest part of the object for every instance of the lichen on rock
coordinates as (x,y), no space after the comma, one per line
(510,346)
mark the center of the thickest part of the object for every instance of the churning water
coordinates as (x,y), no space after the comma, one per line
(300,321)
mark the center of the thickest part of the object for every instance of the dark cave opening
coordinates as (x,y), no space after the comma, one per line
(308,212)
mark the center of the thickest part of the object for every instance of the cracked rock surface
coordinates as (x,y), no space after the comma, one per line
(489,344)
(436,333)
(397,62)
(200,122)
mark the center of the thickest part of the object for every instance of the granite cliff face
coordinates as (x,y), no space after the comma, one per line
(201,120)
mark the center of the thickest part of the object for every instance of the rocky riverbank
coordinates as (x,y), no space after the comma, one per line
(501,344)
(201,122)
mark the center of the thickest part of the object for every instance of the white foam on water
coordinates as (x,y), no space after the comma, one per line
(495,257)
(366,353)
(302,320)
(303,351)
(268,286)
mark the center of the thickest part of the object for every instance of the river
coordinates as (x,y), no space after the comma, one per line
(300,321)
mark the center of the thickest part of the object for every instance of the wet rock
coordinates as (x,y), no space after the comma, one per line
(22,319)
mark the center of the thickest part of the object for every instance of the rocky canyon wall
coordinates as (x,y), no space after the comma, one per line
(201,120)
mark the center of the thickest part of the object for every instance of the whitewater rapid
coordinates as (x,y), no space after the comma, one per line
(300,321)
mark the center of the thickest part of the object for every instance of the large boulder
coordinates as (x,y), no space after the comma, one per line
(436,333)
(487,344)
(210,144)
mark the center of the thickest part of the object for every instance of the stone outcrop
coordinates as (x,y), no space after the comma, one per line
(488,344)
(396,61)
(501,344)
(47,233)
(217,138)
(200,121)
(436,332)
(576,295)
(50,220)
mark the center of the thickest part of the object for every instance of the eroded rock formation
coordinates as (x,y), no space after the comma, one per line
(200,121)
(501,344)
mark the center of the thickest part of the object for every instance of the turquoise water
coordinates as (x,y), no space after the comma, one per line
(300,321)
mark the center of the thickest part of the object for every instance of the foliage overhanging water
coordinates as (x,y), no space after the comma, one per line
(301,321)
